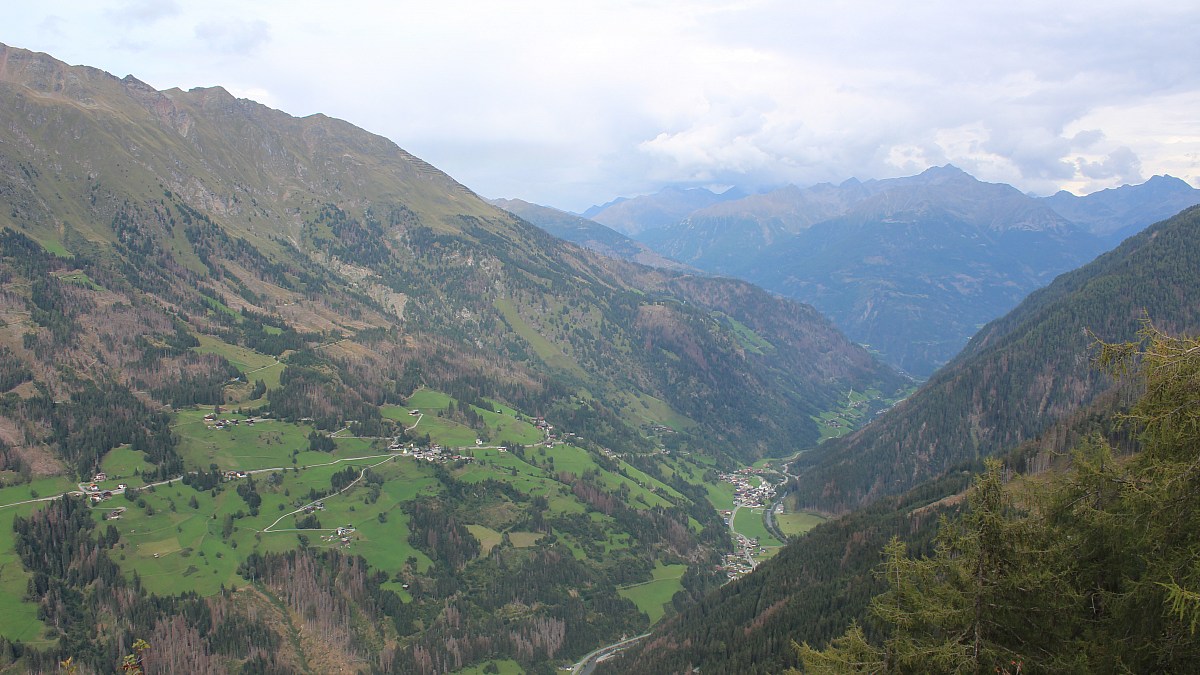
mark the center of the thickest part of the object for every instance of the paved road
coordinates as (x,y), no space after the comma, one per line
(769,514)
(745,549)
(588,663)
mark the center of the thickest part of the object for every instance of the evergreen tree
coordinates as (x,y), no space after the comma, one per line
(1098,575)
(986,601)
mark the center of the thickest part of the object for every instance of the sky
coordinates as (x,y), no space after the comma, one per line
(571,104)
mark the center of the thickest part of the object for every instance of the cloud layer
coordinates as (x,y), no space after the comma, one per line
(573,104)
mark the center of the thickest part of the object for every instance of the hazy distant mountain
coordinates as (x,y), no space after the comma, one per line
(663,208)
(726,237)
(1117,213)
(586,233)
(597,208)
(910,266)
(917,267)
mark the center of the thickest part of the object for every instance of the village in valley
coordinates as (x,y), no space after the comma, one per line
(752,490)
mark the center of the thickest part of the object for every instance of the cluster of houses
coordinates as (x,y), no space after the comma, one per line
(746,493)
(737,565)
(340,536)
(435,453)
(114,514)
(97,494)
(221,423)
(314,507)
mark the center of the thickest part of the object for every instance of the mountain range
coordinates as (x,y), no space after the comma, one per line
(910,266)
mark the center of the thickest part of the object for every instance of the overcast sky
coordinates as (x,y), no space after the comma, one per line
(573,103)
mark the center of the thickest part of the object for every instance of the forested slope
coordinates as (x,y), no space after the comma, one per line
(825,580)
(1090,571)
(1020,372)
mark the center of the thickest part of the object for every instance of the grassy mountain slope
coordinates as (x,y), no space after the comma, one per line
(1019,374)
(223,194)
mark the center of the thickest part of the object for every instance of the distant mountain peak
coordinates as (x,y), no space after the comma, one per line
(1169,182)
(1116,213)
(945,173)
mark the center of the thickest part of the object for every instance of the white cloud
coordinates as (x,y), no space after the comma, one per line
(571,104)
(234,37)
(143,11)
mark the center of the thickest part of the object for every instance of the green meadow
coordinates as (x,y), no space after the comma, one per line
(720,494)
(502,667)
(19,620)
(242,358)
(42,487)
(651,410)
(795,524)
(749,522)
(652,596)
(504,425)
(547,351)
(122,463)
(175,538)
(187,539)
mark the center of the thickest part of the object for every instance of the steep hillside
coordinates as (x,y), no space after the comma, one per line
(1019,374)
(331,229)
(824,580)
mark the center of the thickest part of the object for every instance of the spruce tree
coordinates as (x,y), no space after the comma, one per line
(1092,571)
